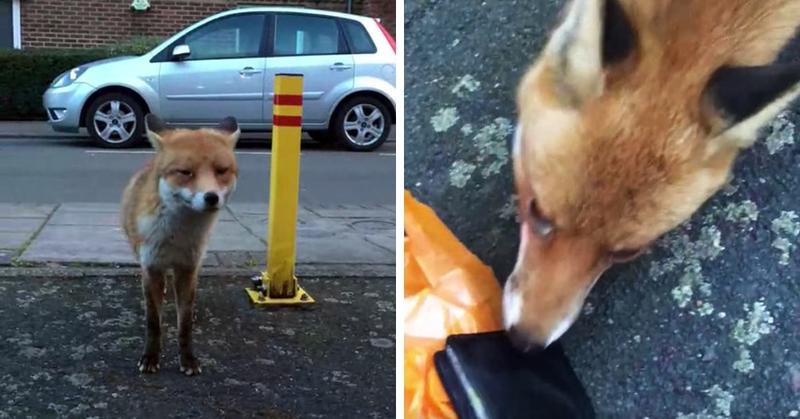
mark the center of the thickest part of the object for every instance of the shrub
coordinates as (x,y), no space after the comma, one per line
(26,74)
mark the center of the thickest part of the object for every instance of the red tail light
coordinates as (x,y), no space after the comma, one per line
(388,36)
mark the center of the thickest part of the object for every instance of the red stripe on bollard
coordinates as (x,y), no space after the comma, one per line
(295,100)
(287,121)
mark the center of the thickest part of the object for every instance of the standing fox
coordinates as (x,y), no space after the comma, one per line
(628,121)
(168,210)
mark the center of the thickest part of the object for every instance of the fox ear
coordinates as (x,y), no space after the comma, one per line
(594,35)
(230,127)
(738,101)
(154,126)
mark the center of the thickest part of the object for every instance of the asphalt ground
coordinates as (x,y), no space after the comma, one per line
(69,348)
(50,170)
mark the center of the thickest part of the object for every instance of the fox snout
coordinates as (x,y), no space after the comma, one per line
(208,200)
(544,294)
(211,199)
(551,278)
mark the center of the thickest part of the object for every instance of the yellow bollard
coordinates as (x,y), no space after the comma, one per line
(278,284)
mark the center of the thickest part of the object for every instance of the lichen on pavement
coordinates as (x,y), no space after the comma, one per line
(71,351)
(656,336)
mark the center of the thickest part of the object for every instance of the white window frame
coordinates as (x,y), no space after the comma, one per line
(16,24)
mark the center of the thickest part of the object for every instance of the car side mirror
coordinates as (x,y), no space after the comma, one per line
(181,52)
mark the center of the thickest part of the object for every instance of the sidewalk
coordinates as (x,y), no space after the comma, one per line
(89,234)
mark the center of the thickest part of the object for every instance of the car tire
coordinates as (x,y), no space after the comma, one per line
(357,127)
(115,120)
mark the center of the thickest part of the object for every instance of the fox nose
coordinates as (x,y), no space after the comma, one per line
(523,342)
(211,198)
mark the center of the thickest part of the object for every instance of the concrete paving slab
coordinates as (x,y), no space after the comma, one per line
(25,210)
(389,243)
(77,244)
(84,218)
(251,210)
(6,256)
(74,211)
(240,208)
(255,224)
(238,259)
(352,211)
(89,233)
(339,248)
(90,206)
(368,226)
(13,240)
(78,216)
(230,235)
(68,243)
(70,349)
(20,225)
(225,216)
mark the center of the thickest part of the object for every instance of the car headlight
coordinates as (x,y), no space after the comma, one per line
(67,78)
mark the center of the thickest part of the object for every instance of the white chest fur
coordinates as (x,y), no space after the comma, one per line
(174,237)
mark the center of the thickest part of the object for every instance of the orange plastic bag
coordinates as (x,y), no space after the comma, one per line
(447,291)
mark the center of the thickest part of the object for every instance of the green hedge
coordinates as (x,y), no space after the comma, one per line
(26,74)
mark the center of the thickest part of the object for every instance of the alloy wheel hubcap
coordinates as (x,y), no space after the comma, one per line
(364,124)
(114,121)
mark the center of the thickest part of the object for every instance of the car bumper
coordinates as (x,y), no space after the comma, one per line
(63,106)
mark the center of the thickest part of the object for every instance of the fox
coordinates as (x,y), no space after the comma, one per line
(167,213)
(628,120)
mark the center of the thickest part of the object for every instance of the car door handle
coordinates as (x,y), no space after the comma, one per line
(340,66)
(248,70)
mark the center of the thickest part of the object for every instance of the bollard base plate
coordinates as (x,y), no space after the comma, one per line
(260,295)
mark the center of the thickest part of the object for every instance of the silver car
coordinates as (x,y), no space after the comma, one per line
(225,65)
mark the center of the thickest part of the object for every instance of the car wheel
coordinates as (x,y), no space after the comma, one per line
(362,124)
(115,120)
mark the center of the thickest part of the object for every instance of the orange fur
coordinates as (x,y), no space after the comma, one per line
(616,165)
(168,211)
(200,150)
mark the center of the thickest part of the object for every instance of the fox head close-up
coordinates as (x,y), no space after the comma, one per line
(629,120)
(196,168)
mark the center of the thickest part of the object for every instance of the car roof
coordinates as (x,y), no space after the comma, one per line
(278,9)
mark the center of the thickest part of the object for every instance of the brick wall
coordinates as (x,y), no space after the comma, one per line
(383,9)
(88,23)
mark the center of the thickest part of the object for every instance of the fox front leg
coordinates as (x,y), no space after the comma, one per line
(153,290)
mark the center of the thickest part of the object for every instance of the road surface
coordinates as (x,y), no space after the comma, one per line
(48,170)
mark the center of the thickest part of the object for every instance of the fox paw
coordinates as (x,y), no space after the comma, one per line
(148,364)
(189,365)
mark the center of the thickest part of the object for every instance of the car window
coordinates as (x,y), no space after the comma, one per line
(357,37)
(306,35)
(231,37)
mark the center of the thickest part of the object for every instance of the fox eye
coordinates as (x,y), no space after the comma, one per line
(183,172)
(221,171)
(625,255)
(542,226)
